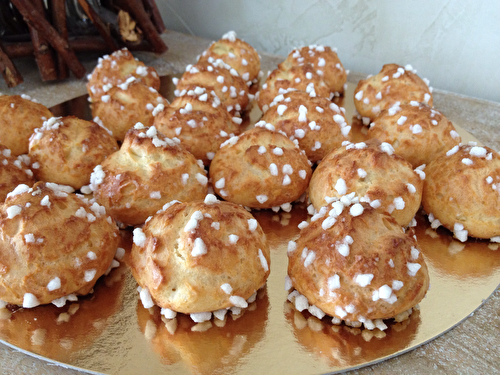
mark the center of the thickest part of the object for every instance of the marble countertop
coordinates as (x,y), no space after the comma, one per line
(471,347)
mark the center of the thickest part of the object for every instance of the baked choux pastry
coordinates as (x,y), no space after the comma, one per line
(13,171)
(372,171)
(219,77)
(356,264)
(325,61)
(19,117)
(236,53)
(393,84)
(290,78)
(125,105)
(200,257)
(118,68)
(260,168)
(199,121)
(52,244)
(148,171)
(416,131)
(65,150)
(462,192)
(316,123)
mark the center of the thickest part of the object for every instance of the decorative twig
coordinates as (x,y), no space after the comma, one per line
(36,20)
(137,11)
(77,44)
(152,9)
(19,49)
(43,53)
(88,44)
(59,20)
(99,24)
(8,69)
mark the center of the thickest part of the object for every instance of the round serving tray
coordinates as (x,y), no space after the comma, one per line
(110,332)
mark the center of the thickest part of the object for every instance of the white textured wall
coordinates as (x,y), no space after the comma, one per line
(454,43)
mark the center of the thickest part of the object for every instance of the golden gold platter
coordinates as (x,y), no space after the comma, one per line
(110,331)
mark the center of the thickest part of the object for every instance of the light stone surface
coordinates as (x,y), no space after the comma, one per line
(473,347)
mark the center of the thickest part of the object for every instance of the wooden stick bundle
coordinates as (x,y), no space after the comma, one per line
(36,20)
(54,49)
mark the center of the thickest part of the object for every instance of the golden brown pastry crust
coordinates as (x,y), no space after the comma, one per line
(65,150)
(183,280)
(326,63)
(373,174)
(236,53)
(47,233)
(148,171)
(291,77)
(125,105)
(116,69)
(19,117)
(220,78)
(374,242)
(199,122)
(462,187)
(260,169)
(13,172)
(393,84)
(417,132)
(322,121)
